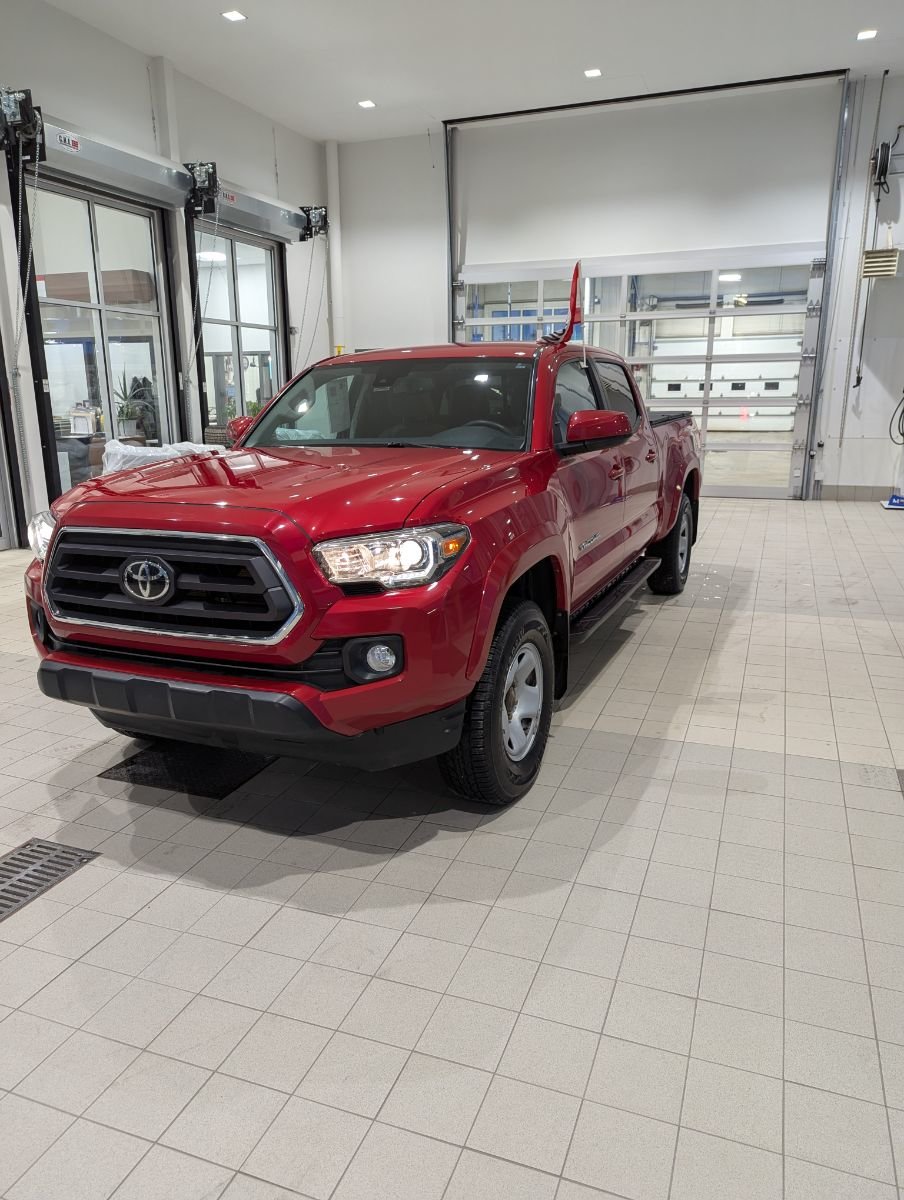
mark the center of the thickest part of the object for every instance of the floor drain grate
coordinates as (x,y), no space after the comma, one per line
(32,868)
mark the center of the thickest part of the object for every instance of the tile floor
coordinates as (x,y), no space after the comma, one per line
(675,970)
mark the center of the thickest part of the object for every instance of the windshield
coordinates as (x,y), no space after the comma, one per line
(460,402)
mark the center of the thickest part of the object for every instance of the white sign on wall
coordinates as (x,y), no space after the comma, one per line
(68,142)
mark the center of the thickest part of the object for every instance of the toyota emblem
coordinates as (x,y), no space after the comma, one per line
(147,580)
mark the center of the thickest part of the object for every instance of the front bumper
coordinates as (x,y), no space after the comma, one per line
(239,718)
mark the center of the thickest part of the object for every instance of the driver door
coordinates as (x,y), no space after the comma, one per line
(591,478)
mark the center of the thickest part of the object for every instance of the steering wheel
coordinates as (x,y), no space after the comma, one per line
(489,425)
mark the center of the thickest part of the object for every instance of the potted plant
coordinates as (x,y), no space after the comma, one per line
(127,415)
(128,412)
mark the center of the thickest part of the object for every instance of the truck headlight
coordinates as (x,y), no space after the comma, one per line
(40,531)
(405,558)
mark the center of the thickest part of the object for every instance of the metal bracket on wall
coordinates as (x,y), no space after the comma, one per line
(21,120)
(317,219)
(205,188)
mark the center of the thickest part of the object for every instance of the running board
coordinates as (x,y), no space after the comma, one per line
(587,622)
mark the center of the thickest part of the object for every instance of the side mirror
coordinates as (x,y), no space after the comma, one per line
(597,425)
(237,428)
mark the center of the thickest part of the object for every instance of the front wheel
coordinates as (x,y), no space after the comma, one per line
(674,551)
(509,712)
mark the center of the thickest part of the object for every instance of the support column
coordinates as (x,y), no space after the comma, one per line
(180,257)
(337,313)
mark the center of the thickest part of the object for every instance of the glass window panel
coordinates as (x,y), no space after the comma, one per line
(64,256)
(747,468)
(616,389)
(668,336)
(557,292)
(74,375)
(139,387)
(501,333)
(215,294)
(743,286)
(258,349)
(775,333)
(684,289)
(745,381)
(500,299)
(603,335)
(126,252)
(220,357)
(254,271)
(670,383)
(605,296)
(745,421)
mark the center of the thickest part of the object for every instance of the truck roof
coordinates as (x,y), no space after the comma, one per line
(458,350)
(442,350)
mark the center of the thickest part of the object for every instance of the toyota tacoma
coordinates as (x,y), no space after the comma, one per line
(391,562)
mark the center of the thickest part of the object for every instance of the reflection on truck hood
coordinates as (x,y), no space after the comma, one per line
(327,490)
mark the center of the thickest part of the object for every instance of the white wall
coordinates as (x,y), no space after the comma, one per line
(77,72)
(854,421)
(394,241)
(102,87)
(726,169)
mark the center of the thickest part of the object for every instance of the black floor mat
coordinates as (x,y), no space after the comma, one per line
(199,770)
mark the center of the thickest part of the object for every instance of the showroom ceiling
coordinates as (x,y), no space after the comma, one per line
(308,65)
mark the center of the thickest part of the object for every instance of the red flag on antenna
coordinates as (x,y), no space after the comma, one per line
(575,315)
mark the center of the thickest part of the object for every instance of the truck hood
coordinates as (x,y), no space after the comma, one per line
(328,491)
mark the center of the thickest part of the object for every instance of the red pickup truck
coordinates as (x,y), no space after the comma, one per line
(391,563)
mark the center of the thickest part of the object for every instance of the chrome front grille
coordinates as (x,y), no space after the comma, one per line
(230,589)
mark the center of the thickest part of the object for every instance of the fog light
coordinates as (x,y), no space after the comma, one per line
(381,658)
(367,659)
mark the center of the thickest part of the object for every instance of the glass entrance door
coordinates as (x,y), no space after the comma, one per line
(99,277)
(238,296)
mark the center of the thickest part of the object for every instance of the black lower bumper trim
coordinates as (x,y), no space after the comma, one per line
(244,719)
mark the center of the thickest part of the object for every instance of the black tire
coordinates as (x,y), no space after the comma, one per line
(481,767)
(675,553)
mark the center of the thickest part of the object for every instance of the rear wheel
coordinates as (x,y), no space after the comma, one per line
(674,551)
(509,712)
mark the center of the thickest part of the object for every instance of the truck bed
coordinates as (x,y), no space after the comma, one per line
(663,418)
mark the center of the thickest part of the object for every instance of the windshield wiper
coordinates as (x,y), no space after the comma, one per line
(396,445)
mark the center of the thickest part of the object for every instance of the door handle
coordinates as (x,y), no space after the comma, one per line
(617,471)
(650,456)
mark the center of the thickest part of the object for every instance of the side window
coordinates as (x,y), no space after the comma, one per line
(573,393)
(617,389)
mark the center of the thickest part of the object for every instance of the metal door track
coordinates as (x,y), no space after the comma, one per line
(34,867)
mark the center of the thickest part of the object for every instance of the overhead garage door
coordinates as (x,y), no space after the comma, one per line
(701,225)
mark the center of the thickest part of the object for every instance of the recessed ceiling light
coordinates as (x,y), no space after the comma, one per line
(730,277)
(366,104)
(210,256)
(234,15)
(866,35)
(593,73)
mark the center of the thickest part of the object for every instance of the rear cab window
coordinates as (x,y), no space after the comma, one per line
(615,388)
